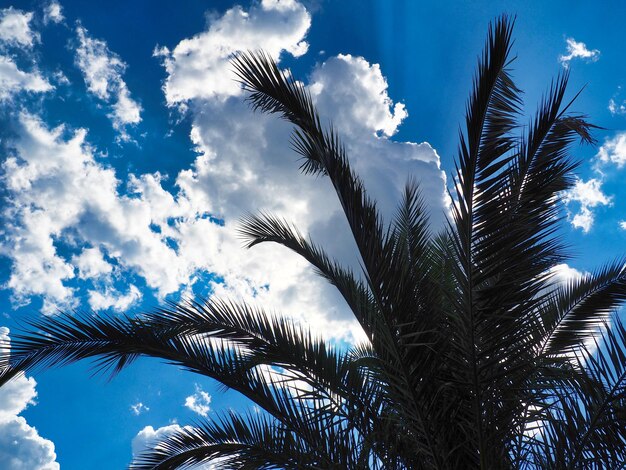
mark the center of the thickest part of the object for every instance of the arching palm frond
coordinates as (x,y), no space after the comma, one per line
(309,388)
(586,425)
(265,228)
(581,307)
(273,90)
(235,442)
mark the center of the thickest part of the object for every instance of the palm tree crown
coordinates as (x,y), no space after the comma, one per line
(475,357)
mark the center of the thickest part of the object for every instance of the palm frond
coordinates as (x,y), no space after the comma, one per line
(232,442)
(264,228)
(483,157)
(580,308)
(275,91)
(586,425)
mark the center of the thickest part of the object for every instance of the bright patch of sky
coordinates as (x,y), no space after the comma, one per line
(128,156)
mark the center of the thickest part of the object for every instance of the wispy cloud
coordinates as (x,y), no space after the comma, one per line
(13,80)
(139,408)
(53,13)
(102,71)
(617,106)
(578,50)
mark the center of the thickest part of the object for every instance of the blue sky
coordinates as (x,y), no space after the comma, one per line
(128,154)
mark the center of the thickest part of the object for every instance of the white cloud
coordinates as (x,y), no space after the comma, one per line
(91,263)
(13,80)
(20,392)
(60,193)
(139,408)
(15,28)
(60,78)
(613,150)
(113,299)
(563,273)
(53,12)
(583,219)
(102,71)
(58,188)
(21,446)
(617,105)
(199,67)
(578,50)
(43,167)
(616,108)
(199,402)
(148,437)
(588,195)
(101,68)
(353,94)
(268,178)
(358,97)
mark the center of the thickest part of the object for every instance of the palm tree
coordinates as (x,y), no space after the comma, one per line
(475,357)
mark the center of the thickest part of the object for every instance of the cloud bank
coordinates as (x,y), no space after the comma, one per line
(21,446)
(76,226)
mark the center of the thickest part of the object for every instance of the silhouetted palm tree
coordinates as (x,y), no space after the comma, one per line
(476,357)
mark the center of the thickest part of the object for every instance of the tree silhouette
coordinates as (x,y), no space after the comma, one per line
(475,356)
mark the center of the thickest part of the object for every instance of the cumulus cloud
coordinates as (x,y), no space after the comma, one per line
(199,67)
(563,273)
(267,178)
(359,98)
(91,263)
(353,94)
(113,299)
(15,31)
(118,225)
(102,71)
(53,13)
(15,28)
(148,437)
(588,195)
(578,50)
(59,187)
(37,169)
(19,393)
(21,446)
(613,150)
(13,80)
(199,402)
